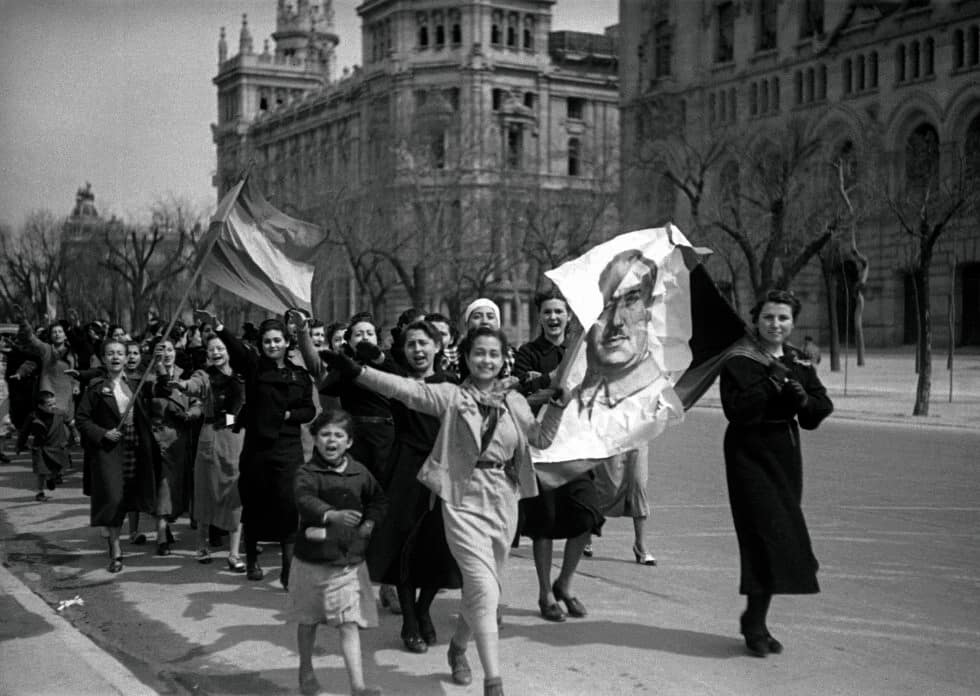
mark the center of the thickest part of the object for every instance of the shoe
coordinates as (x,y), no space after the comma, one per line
(415,644)
(587,551)
(572,604)
(115,565)
(427,630)
(644,557)
(51,483)
(458,665)
(756,642)
(308,684)
(203,556)
(389,599)
(42,497)
(139,539)
(163,549)
(235,564)
(775,647)
(284,579)
(493,686)
(253,571)
(551,612)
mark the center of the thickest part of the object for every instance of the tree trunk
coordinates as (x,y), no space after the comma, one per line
(924,345)
(830,290)
(861,261)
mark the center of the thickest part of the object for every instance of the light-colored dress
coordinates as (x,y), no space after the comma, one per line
(621,482)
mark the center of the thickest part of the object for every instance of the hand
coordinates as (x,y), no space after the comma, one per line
(178,384)
(795,394)
(159,367)
(341,363)
(113,435)
(365,529)
(297,317)
(344,518)
(72,373)
(203,316)
(777,372)
(368,352)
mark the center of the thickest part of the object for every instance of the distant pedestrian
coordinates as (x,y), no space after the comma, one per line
(339,504)
(767,397)
(811,351)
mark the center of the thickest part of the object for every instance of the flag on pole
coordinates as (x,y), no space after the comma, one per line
(656,333)
(260,253)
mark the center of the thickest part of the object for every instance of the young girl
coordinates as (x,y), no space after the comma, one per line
(49,448)
(339,504)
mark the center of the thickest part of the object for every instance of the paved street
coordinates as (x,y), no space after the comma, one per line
(893,511)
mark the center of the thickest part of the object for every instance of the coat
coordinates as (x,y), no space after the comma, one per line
(449,466)
(764,468)
(113,494)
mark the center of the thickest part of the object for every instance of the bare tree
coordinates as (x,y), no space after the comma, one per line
(34,266)
(928,204)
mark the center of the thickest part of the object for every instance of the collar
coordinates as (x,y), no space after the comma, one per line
(612,389)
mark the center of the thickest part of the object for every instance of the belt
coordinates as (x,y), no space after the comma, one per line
(374,419)
(486,464)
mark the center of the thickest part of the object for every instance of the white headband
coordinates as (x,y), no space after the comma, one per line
(480,302)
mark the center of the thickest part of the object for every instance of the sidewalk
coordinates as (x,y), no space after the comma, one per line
(41,653)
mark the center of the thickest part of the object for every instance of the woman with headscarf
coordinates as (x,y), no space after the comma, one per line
(279,399)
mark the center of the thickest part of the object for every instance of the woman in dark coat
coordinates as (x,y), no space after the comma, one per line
(123,475)
(278,400)
(408,549)
(767,397)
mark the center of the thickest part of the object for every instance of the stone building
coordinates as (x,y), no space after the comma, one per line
(472,147)
(889,90)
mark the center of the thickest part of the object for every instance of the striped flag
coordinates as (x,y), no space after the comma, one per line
(260,253)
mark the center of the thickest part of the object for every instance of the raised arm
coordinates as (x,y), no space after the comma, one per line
(433,399)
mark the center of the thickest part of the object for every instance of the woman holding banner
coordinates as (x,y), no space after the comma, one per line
(479,467)
(279,399)
(767,397)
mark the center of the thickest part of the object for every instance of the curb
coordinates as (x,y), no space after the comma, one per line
(110,670)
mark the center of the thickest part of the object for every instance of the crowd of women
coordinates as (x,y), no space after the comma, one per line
(422,451)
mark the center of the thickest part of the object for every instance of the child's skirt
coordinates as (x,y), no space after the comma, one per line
(332,595)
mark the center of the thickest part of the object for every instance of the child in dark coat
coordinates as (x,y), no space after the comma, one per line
(47,427)
(339,504)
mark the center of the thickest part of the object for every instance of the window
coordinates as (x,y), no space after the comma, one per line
(711,108)
(810,85)
(497,99)
(958,46)
(847,156)
(811,20)
(971,150)
(576,107)
(264,100)
(859,70)
(922,159)
(440,38)
(973,45)
(455,29)
(529,33)
(753,99)
(900,62)
(515,146)
(529,100)
(512,30)
(725,44)
(914,60)
(798,87)
(495,34)
(873,70)
(928,57)
(732,104)
(766,27)
(847,76)
(775,94)
(662,36)
(423,21)
(822,82)
(574,157)
(666,197)
(437,150)
(452,97)
(764,97)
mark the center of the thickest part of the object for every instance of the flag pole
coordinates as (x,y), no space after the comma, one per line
(213,234)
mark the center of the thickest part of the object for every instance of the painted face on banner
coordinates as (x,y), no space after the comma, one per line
(619,338)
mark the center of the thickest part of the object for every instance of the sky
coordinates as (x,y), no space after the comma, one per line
(118,93)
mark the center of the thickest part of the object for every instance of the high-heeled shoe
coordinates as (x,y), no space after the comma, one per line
(572,604)
(775,647)
(756,641)
(115,562)
(643,557)
(163,549)
(254,571)
(551,612)
(235,564)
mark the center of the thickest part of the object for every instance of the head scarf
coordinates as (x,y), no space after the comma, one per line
(480,302)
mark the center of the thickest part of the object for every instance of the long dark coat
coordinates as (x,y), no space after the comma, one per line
(272,451)
(764,468)
(113,494)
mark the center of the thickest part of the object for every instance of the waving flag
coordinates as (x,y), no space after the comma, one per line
(656,332)
(260,253)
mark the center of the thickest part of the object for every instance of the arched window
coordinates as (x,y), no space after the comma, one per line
(822,82)
(914,57)
(922,159)
(900,62)
(973,45)
(495,34)
(456,34)
(873,70)
(753,99)
(574,157)
(711,108)
(928,56)
(845,73)
(958,46)
(423,36)
(859,71)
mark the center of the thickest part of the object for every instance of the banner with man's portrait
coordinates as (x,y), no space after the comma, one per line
(633,298)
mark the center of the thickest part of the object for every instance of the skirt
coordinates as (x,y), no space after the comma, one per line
(479,531)
(320,593)
(621,484)
(564,512)
(216,498)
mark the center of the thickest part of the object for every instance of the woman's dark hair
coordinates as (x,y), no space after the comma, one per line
(466,345)
(249,332)
(315,324)
(272,325)
(112,329)
(552,294)
(214,337)
(334,328)
(333,416)
(359,318)
(785,297)
(425,327)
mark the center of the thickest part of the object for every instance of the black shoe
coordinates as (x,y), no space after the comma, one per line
(756,641)
(253,571)
(163,549)
(41,497)
(4,458)
(170,535)
(427,630)
(139,539)
(775,647)
(572,604)
(115,565)
(50,484)
(415,644)
(551,612)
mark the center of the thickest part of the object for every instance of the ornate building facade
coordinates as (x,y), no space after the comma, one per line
(472,148)
(889,91)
